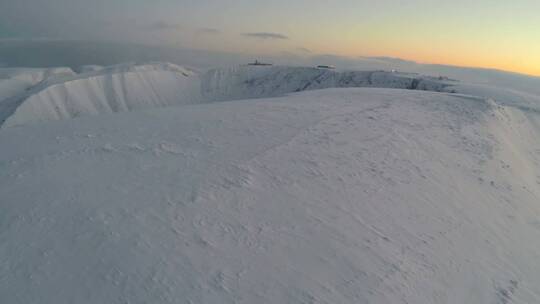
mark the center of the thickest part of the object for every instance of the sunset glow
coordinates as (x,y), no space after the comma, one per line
(483,33)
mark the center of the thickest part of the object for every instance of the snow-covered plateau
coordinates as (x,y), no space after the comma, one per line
(157,184)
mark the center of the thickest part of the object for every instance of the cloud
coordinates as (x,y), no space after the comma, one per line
(162,26)
(265,35)
(208,31)
(389,59)
(303,50)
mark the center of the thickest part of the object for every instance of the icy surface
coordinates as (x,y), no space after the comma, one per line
(330,196)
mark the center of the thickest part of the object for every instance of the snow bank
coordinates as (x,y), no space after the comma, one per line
(331,196)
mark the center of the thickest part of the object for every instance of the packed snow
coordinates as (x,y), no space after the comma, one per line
(338,195)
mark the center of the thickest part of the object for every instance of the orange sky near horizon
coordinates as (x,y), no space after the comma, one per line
(506,37)
(499,34)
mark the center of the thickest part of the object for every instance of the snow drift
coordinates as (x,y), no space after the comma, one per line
(330,196)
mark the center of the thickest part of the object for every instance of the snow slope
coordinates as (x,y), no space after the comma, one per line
(108,90)
(16,81)
(134,87)
(34,75)
(255,82)
(503,95)
(329,196)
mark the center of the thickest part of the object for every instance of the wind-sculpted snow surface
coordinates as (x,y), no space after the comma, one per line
(135,87)
(330,196)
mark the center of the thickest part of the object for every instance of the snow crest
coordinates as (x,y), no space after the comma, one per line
(135,87)
(58,94)
(108,90)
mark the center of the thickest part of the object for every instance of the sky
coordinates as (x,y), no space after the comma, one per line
(497,34)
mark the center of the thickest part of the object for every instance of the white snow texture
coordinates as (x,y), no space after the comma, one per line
(343,195)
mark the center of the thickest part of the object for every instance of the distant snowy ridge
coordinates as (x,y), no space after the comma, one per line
(35,75)
(108,90)
(131,87)
(134,87)
(255,82)
(16,83)
(89,68)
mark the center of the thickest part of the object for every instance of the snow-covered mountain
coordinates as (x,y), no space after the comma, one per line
(133,87)
(255,82)
(15,81)
(341,195)
(99,91)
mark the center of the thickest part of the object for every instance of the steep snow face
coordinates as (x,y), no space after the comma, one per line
(15,82)
(133,87)
(112,89)
(330,196)
(254,82)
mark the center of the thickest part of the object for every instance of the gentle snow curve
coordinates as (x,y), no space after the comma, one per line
(331,196)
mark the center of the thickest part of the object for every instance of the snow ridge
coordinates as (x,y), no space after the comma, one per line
(134,87)
(254,82)
(108,90)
